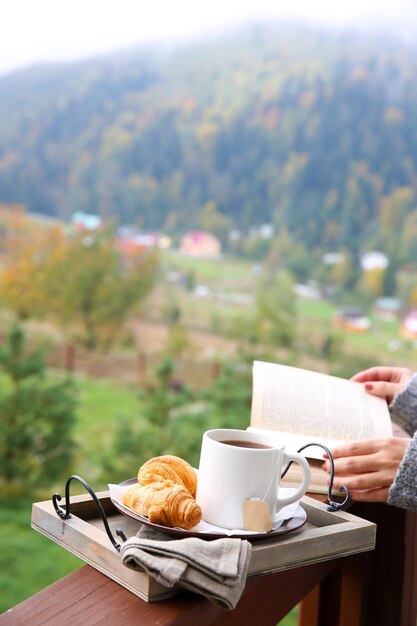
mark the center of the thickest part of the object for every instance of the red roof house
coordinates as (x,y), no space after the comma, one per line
(200,243)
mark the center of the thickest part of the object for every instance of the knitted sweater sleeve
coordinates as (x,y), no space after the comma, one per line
(403,411)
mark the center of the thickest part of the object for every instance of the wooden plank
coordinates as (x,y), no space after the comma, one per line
(92,545)
(342,594)
(409,595)
(308,610)
(88,597)
(388,571)
(326,535)
(313,546)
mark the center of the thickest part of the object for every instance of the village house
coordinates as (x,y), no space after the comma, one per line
(387,309)
(351,318)
(408,329)
(200,243)
(374,260)
(85,221)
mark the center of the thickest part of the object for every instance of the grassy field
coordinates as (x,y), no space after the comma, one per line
(315,318)
(382,344)
(29,561)
(210,271)
(102,404)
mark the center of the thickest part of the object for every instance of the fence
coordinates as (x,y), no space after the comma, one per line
(133,368)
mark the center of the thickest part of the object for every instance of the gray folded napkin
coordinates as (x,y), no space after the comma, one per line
(216,569)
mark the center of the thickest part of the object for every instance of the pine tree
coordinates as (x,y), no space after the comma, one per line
(36,416)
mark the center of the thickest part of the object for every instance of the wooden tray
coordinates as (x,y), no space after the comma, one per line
(326,535)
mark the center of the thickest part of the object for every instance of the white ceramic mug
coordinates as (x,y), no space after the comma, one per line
(230,473)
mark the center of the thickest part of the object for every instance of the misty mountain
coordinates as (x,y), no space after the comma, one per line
(311,130)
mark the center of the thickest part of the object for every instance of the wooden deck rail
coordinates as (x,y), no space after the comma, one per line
(375,588)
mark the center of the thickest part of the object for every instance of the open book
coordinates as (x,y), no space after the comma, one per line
(299,407)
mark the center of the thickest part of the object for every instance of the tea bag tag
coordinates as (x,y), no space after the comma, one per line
(256,515)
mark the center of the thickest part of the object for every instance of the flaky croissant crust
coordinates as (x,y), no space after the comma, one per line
(168,467)
(164,503)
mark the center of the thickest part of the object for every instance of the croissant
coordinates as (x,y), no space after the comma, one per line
(168,467)
(164,503)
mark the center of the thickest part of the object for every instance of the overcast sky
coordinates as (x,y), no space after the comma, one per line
(33,31)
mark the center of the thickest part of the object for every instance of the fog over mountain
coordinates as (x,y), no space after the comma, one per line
(44,32)
(311,130)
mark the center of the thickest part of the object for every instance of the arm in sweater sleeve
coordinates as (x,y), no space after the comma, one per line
(403,411)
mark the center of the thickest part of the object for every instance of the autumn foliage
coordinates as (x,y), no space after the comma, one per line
(78,279)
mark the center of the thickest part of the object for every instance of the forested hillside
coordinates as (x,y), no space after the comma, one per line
(313,131)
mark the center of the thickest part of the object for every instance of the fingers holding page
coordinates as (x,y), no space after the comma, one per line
(373,374)
(384,382)
(383,374)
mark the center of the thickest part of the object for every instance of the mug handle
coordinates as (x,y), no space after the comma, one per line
(301,460)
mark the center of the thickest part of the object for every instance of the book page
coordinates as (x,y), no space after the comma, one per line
(303,402)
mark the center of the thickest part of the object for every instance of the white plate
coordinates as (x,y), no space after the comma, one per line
(204,530)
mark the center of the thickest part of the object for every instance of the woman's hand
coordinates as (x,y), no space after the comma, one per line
(384,382)
(368,467)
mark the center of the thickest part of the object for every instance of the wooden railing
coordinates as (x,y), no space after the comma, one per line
(374,588)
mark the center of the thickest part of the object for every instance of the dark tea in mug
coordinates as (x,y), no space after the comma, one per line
(246,444)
